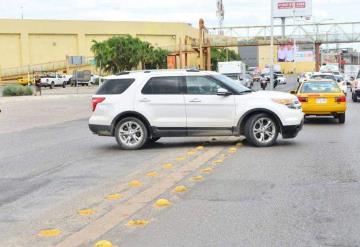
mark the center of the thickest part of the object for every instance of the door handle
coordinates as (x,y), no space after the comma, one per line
(144,100)
(195,100)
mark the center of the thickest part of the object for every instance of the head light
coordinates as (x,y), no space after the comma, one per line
(290,103)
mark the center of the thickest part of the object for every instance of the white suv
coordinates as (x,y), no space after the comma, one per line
(137,107)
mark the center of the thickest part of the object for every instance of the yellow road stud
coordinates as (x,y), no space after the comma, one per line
(137,223)
(152,174)
(199,147)
(168,166)
(239,144)
(162,203)
(232,150)
(197,178)
(49,233)
(207,170)
(180,189)
(135,183)
(86,212)
(103,243)
(112,197)
(218,161)
(180,158)
(191,152)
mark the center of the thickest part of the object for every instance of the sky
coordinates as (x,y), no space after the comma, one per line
(237,12)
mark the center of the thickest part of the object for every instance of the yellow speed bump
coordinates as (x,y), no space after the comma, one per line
(168,166)
(103,243)
(197,178)
(137,223)
(216,162)
(162,203)
(232,150)
(199,147)
(86,212)
(180,189)
(207,170)
(152,174)
(135,183)
(112,197)
(49,233)
(180,158)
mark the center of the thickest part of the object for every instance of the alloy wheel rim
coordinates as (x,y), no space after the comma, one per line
(131,133)
(264,130)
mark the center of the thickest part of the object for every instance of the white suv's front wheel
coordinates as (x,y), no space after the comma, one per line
(131,133)
(261,130)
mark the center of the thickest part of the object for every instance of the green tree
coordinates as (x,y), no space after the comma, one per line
(122,53)
(222,55)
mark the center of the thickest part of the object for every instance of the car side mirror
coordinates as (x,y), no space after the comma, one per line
(293,91)
(338,80)
(223,92)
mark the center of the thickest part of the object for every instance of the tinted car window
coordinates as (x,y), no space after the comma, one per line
(201,85)
(115,86)
(327,77)
(163,85)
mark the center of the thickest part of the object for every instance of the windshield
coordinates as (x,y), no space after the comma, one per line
(234,85)
(232,76)
(320,87)
(327,77)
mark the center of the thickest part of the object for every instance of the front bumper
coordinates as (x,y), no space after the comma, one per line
(357,92)
(101,130)
(291,131)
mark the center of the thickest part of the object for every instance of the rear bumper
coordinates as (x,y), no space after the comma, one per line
(101,130)
(291,131)
(357,93)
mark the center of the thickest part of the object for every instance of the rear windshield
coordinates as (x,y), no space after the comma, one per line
(320,87)
(327,77)
(115,86)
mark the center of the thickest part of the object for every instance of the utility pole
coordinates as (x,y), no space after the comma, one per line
(22,12)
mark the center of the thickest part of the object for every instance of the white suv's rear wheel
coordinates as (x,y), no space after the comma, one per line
(131,133)
(261,130)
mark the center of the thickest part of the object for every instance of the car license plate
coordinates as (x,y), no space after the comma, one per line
(321,101)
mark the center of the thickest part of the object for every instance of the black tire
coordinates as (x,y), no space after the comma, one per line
(341,118)
(52,85)
(64,85)
(250,128)
(143,133)
(354,97)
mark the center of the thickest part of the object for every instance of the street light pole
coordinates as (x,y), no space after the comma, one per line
(272,47)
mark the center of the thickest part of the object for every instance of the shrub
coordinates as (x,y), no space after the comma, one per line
(17,90)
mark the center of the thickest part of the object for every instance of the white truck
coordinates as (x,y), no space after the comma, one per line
(52,80)
(232,69)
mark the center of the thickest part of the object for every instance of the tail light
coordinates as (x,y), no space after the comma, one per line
(340,99)
(303,99)
(95,101)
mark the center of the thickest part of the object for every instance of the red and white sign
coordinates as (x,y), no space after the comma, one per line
(290,8)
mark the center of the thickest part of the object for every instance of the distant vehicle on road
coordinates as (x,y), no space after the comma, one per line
(355,88)
(141,107)
(246,80)
(281,78)
(52,80)
(25,81)
(235,70)
(322,98)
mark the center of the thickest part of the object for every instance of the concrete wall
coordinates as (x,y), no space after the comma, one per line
(28,42)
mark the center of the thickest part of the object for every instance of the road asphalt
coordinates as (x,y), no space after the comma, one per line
(301,192)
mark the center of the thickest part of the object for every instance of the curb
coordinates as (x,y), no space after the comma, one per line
(44,97)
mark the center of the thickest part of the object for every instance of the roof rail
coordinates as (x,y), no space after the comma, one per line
(192,70)
(123,73)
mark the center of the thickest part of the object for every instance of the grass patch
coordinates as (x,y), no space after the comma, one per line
(17,90)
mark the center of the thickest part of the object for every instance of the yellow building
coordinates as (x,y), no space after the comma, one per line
(286,67)
(30,42)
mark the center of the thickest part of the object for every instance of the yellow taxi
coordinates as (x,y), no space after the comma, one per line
(322,98)
(24,81)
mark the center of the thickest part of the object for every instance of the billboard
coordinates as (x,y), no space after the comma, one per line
(286,53)
(304,56)
(291,8)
